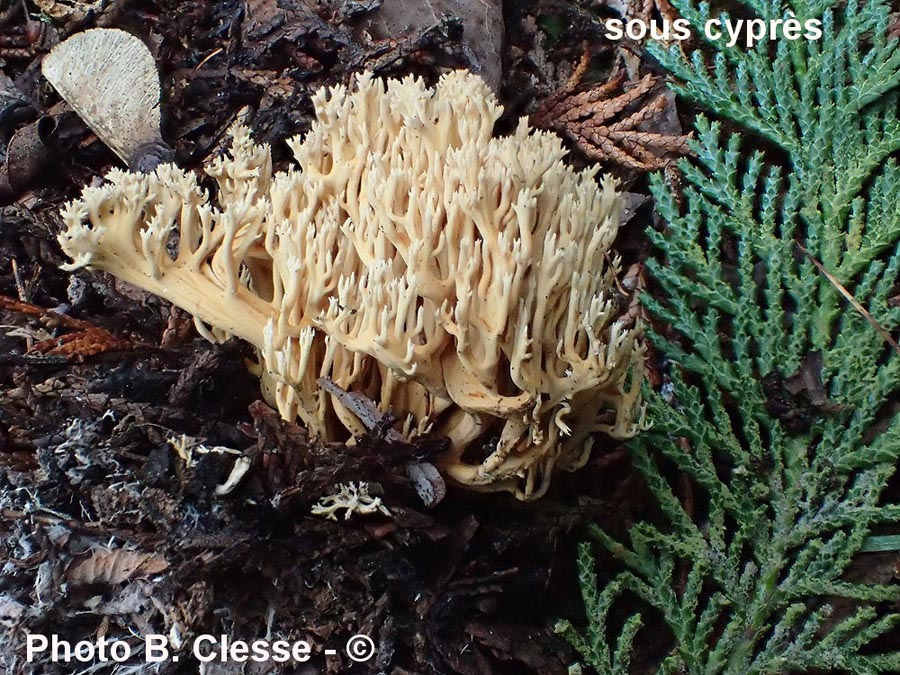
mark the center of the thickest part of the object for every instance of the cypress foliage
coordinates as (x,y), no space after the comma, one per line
(780,404)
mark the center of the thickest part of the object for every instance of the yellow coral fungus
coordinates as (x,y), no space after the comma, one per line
(460,279)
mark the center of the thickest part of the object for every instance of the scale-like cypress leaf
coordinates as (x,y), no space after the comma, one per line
(780,409)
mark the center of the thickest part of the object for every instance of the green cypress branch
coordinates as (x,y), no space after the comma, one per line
(756,580)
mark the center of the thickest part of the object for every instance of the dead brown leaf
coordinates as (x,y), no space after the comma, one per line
(113,566)
(481,20)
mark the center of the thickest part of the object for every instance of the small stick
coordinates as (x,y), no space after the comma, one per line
(20,287)
(852,300)
(23,296)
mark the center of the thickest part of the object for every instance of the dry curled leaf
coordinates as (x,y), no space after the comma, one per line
(113,566)
(613,127)
(481,22)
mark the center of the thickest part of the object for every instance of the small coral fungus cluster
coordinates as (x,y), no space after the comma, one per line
(458,279)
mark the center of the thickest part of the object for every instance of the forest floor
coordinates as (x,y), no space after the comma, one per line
(106,530)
